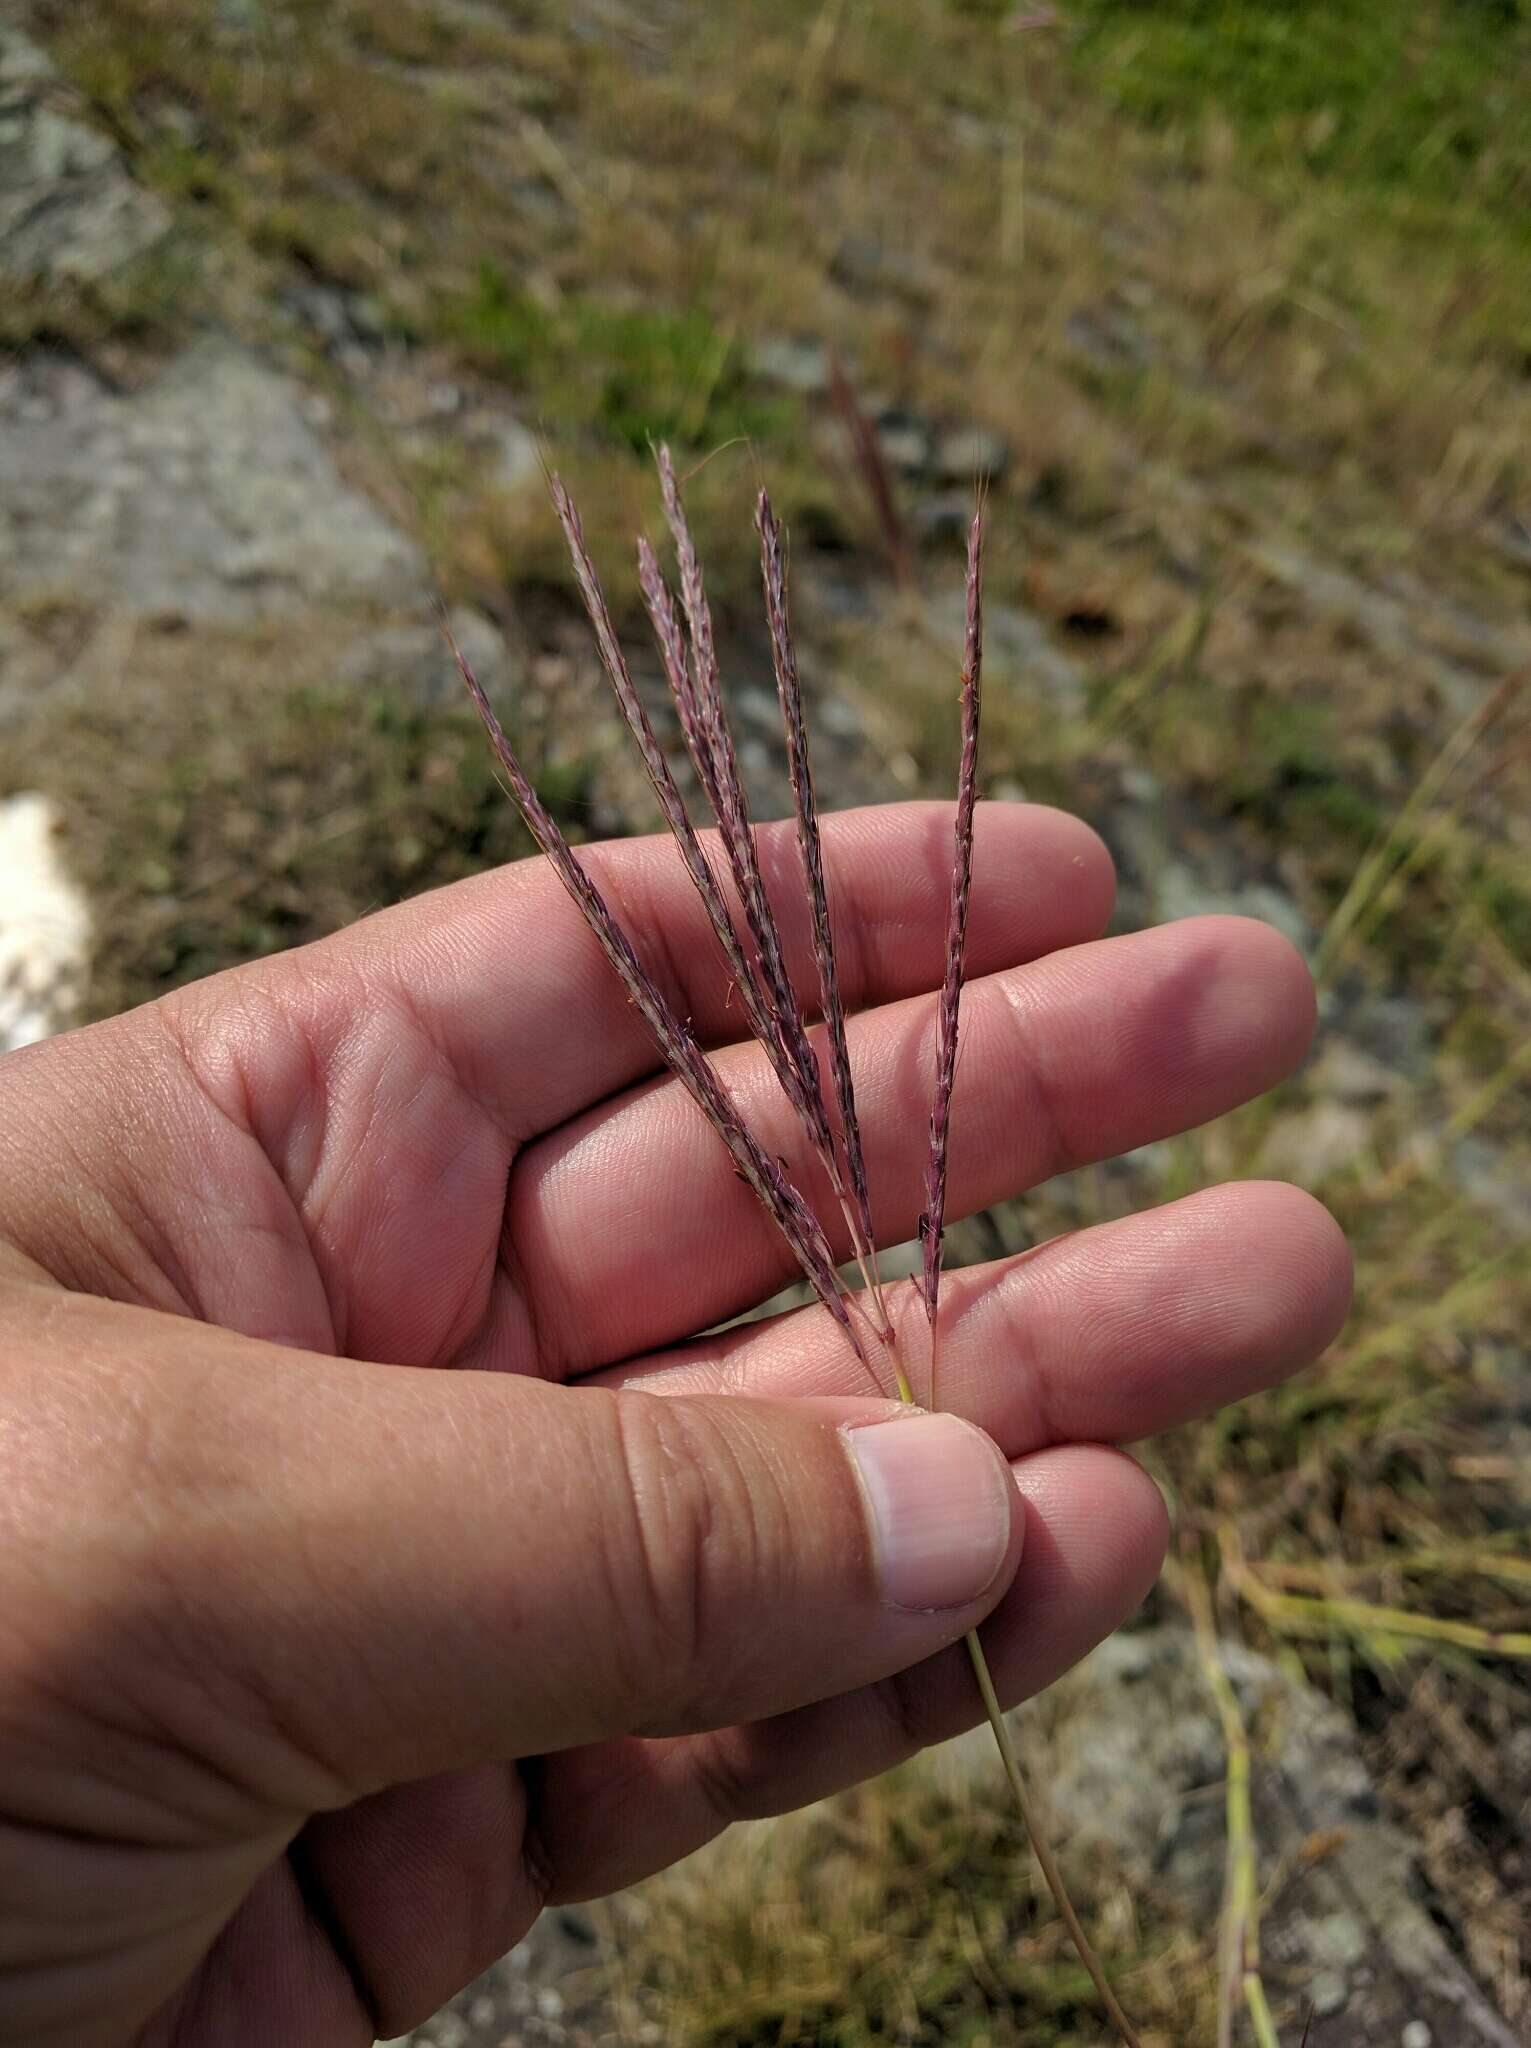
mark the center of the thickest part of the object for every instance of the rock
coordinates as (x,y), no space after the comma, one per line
(540,1993)
(1316,1143)
(831,593)
(945,516)
(966,454)
(1349,1073)
(1134,1748)
(1109,337)
(341,321)
(1392,1029)
(68,206)
(757,708)
(1512,537)
(1452,646)
(1131,1751)
(45,926)
(1375,615)
(440,419)
(799,365)
(866,264)
(415,660)
(763,776)
(511,452)
(1140,785)
(206,496)
(839,717)
(1494,1178)
(1019,653)
(905,440)
(1180,891)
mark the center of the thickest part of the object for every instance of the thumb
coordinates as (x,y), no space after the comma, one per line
(392,1572)
(483,1566)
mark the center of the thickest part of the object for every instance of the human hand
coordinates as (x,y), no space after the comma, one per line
(383,1557)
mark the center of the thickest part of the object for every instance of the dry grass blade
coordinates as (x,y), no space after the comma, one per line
(1391,852)
(781,1200)
(872,465)
(810,846)
(1297,1614)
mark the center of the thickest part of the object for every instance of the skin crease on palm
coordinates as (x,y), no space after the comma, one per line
(382,1555)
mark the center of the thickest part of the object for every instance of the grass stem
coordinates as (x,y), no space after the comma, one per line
(1009,1756)
(1041,1847)
(1239,1944)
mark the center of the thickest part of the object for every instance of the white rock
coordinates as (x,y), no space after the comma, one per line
(45,928)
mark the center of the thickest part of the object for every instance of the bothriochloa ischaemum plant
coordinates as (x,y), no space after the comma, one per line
(747,932)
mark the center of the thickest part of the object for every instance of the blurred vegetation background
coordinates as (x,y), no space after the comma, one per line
(1231,300)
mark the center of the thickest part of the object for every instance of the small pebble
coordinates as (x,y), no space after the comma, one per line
(963,453)
(1329,1992)
(1416,2035)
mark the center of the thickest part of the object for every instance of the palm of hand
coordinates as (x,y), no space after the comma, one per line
(437,1142)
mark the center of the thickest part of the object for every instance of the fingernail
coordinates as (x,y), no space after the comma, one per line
(939,1505)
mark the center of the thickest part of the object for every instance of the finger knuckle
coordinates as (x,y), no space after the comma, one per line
(684,1551)
(1015,1022)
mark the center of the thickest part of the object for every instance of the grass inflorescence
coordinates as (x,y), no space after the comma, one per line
(776,1014)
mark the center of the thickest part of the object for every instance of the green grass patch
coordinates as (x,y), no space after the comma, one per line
(634,373)
(1422,101)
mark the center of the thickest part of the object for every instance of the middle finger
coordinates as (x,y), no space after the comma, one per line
(629,1229)
(1104,1336)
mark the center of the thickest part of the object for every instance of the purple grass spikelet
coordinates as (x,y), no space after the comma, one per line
(773,564)
(698,695)
(711,742)
(775,1032)
(933,1222)
(764,1025)
(685,1058)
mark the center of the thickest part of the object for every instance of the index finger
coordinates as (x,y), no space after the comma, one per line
(503,976)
